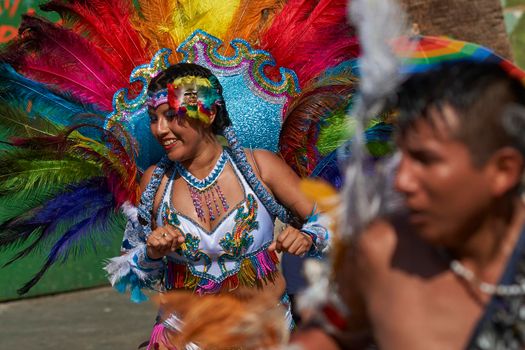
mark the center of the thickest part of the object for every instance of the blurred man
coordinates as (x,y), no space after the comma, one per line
(448,272)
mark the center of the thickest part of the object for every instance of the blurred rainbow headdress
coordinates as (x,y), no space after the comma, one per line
(247,89)
(422,53)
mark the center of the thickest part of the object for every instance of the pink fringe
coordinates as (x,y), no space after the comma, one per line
(158,337)
(209,288)
(266,264)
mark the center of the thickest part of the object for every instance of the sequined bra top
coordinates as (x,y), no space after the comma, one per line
(234,253)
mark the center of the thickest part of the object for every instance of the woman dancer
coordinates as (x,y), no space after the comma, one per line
(206,218)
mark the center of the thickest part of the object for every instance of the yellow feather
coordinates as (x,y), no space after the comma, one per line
(167,23)
(251,18)
(327,199)
(212,16)
(320,192)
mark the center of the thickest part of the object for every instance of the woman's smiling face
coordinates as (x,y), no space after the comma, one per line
(180,136)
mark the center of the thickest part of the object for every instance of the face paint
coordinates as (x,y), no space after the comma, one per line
(189,96)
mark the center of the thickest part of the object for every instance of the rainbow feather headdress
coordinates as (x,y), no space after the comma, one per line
(94,66)
(247,90)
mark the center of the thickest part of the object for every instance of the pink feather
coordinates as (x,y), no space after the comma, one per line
(65,59)
(310,36)
(106,23)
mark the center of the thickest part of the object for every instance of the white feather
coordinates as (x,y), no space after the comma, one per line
(378,23)
(120,266)
(368,189)
(130,211)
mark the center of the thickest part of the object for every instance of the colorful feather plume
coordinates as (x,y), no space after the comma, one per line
(318,107)
(58,186)
(54,78)
(38,99)
(87,210)
(60,57)
(253,321)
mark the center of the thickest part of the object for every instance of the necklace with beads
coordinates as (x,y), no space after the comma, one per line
(488,288)
(206,193)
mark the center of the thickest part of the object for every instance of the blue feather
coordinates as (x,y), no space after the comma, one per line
(37,99)
(86,210)
(328,168)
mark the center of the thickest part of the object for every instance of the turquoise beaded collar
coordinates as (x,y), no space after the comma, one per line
(209,180)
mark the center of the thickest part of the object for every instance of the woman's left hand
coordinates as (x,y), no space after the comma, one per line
(292,241)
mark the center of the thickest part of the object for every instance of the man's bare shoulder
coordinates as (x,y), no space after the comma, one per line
(366,261)
(375,246)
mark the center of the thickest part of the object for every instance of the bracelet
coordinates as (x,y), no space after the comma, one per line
(319,234)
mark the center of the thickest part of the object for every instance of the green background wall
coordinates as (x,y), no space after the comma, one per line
(11,12)
(85,272)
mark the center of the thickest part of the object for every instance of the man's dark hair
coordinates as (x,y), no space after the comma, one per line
(480,94)
(178,70)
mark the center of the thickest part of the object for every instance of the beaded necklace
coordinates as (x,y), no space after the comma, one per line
(145,209)
(206,192)
(488,288)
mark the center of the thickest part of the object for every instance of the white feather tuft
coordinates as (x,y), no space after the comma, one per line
(130,211)
(367,183)
(378,22)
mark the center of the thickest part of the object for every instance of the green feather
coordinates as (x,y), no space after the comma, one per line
(22,170)
(16,122)
(20,202)
(334,134)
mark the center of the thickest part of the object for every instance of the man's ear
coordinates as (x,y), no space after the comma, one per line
(506,170)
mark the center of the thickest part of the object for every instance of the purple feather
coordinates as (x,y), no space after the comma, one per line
(74,241)
(67,206)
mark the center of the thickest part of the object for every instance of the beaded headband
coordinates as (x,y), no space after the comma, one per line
(158,98)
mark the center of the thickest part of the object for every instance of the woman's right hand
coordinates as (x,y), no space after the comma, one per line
(162,241)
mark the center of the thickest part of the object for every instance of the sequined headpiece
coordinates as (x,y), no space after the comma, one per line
(247,91)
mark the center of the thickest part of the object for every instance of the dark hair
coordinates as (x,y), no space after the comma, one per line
(481,94)
(178,70)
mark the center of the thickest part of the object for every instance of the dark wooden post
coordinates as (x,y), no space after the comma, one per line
(479,21)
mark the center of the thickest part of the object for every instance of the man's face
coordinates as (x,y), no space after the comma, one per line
(446,194)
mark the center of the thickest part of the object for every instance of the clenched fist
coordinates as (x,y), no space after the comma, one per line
(292,241)
(163,240)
